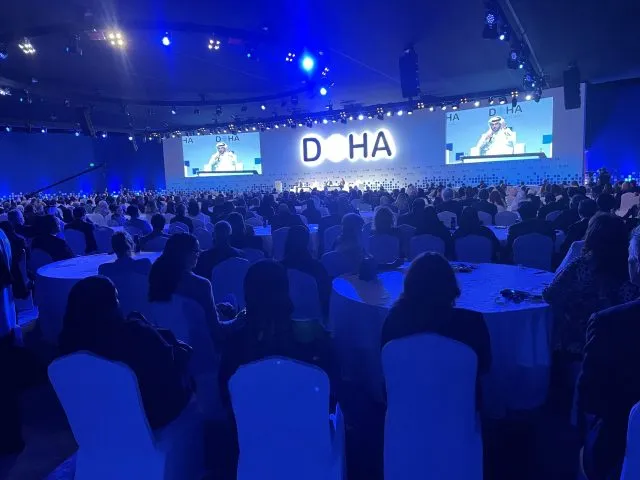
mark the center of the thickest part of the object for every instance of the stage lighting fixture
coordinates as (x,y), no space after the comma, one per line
(263,107)
(505,33)
(514,101)
(309,123)
(528,97)
(173,110)
(116,38)
(389,113)
(276,126)
(343,120)
(420,105)
(502,101)
(253,128)
(431,108)
(7,128)
(27,47)
(5,92)
(308,63)
(400,113)
(537,95)
(476,103)
(409,112)
(131,138)
(300,124)
(250,53)
(77,133)
(443,108)
(4,53)
(351,117)
(104,135)
(323,91)
(491,101)
(213,44)
(315,122)
(218,110)
(529,81)
(290,57)
(454,107)
(325,121)
(43,130)
(325,71)
(166,39)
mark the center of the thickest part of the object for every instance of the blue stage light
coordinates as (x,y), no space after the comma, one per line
(166,40)
(323,91)
(308,63)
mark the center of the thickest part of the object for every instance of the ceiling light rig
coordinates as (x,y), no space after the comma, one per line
(214,44)
(116,38)
(27,47)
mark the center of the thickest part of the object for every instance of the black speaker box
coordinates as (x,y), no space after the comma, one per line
(571,77)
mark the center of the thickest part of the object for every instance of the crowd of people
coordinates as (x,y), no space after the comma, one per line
(594,298)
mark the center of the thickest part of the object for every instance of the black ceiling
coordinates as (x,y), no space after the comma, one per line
(361,42)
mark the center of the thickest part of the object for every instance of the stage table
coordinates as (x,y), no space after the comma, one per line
(267,240)
(520,332)
(501,234)
(54,282)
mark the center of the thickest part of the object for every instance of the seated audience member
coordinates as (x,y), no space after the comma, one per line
(137,223)
(265,328)
(17,251)
(431,225)
(609,385)
(266,208)
(93,322)
(181,217)
(568,216)
(587,208)
(402,203)
(193,209)
(117,218)
(80,224)
(427,305)
(158,223)
(529,224)
(485,205)
(172,274)
(123,247)
(328,221)
(606,203)
(298,257)
(49,242)
(349,242)
(550,205)
(16,219)
(449,204)
(102,208)
(383,223)
(415,217)
(312,213)
(598,279)
(240,236)
(221,250)
(495,198)
(284,218)
(470,225)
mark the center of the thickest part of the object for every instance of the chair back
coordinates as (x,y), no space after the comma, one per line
(533,250)
(286,435)
(97,219)
(228,281)
(168,217)
(474,249)
(329,237)
(254,222)
(506,218)
(551,216)
(133,231)
(178,227)
(336,264)
(133,290)
(425,243)
(279,238)
(445,217)
(253,255)
(406,234)
(384,248)
(156,244)
(627,200)
(575,250)
(485,218)
(76,240)
(103,239)
(39,258)
(303,290)
(205,238)
(631,466)
(431,429)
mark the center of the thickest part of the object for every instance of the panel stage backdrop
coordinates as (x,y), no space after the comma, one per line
(398,151)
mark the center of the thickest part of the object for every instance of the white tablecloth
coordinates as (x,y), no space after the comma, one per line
(54,282)
(267,240)
(501,234)
(520,333)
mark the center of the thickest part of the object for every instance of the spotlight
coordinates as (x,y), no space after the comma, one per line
(4,53)
(308,63)
(263,107)
(325,121)
(173,110)
(104,135)
(409,112)
(276,126)
(116,38)
(251,53)
(27,47)
(399,113)
(218,110)
(431,108)
(7,128)
(389,113)
(5,92)
(517,59)
(290,57)
(529,81)
(77,133)
(369,116)
(443,107)
(502,101)
(360,117)
(514,99)
(490,30)
(505,34)
(476,103)
(323,91)
(253,128)
(420,105)
(528,97)
(166,39)
(43,130)
(454,107)
(537,95)
(213,44)
(491,101)
(351,117)
(131,138)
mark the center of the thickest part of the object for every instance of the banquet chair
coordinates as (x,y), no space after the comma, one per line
(76,241)
(575,250)
(253,254)
(533,250)
(133,231)
(205,238)
(431,426)
(155,244)
(133,289)
(168,217)
(485,218)
(102,402)
(186,320)
(335,263)
(329,237)
(445,218)
(384,248)
(627,200)
(506,218)
(97,219)
(39,258)
(303,290)
(366,235)
(254,222)
(227,281)
(406,234)
(103,239)
(474,249)
(279,238)
(551,216)
(178,227)
(288,434)
(631,465)
(425,243)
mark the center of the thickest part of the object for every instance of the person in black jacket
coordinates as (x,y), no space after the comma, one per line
(431,225)
(312,213)
(415,217)
(587,208)
(181,217)
(449,204)
(470,225)
(484,205)
(81,224)
(529,224)
(48,242)
(568,216)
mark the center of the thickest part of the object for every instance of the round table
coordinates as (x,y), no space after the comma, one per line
(520,332)
(267,240)
(54,282)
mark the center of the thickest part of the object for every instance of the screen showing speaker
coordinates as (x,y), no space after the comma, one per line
(506,132)
(220,155)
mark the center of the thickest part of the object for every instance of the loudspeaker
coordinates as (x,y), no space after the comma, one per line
(571,77)
(83,115)
(409,80)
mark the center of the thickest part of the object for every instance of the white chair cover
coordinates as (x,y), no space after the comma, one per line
(474,249)
(384,248)
(445,218)
(103,405)
(155,244)
(627,200)
(336,264)
(575,250)
(303,290)
(551,216)
(168,217)
(97,219)
(425,243)
(286,435)
(205,238)
(506,218)
(39,258)
(103,239)
(197,223)
(329,237)
(533,250)
(228,281)
(631,466)
(431,426)
(178,227)
(254,222)
(485,218)
(76,240)
(253,254)
(279,238)
(133,291)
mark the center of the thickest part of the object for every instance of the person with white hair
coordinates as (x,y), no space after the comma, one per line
(448,204)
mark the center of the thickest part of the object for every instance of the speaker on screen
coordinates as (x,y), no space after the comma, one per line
(409,80)
(572,88)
